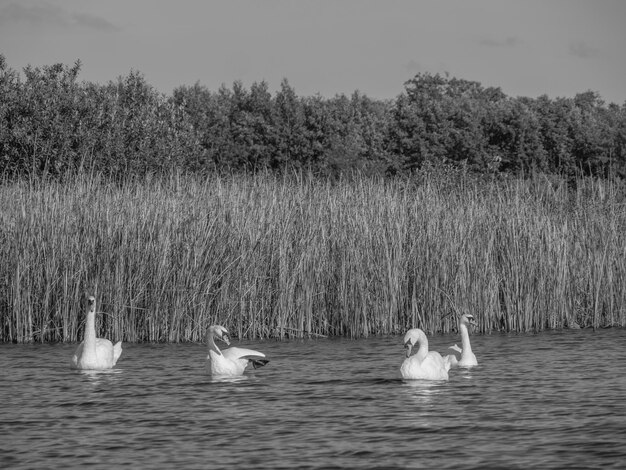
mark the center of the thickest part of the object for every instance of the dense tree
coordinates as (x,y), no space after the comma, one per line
(51,123)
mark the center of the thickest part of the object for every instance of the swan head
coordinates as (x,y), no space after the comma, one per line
(219,332)
(411,338)
(468,319)
(91,303)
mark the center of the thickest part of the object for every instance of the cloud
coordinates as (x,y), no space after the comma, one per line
(44,15)
(582,50)
(34,15)
(94,22)
(510,41)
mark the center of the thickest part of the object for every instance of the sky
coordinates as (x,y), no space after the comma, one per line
(328,47)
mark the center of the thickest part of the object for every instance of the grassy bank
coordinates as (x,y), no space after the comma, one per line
(271,256)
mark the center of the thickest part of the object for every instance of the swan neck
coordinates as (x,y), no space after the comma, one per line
(465,340)
(212,346)
(422,352)
(90,329)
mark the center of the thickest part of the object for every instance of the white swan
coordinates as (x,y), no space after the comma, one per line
(95,353)
(423,364)
(468,359)
(230,362)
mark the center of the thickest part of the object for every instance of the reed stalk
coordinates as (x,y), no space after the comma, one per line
(281,256)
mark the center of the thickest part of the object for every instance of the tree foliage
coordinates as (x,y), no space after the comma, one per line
(51,123)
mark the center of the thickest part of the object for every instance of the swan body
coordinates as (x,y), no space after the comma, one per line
(95,353)
(468,358)
(424,364)
(230,362)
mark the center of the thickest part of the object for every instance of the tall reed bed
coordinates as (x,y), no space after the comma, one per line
(271,256)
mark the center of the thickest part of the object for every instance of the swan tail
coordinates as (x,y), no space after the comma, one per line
(456,348)
(117,351)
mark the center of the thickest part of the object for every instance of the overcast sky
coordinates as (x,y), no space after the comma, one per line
(526,47)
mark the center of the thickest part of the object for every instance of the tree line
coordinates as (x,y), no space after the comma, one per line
(52,123)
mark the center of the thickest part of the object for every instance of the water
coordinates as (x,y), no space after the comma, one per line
(552,400)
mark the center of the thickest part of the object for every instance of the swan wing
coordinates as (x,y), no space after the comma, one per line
(433,367)
(218,365)
(434,361)
(451,361)
(233,361)
(436,367)
(104,357)
(117,351)
(77,354)
(244,355)
(241,353)
(104,353)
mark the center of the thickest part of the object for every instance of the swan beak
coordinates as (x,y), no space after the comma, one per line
(408,346)
(226,339)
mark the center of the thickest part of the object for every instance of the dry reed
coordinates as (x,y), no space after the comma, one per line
(271,256)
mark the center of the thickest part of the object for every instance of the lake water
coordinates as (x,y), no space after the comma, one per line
(551,400)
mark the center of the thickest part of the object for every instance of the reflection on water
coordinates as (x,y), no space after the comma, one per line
(423,392)
(219,379)
(552,400)
(99,376)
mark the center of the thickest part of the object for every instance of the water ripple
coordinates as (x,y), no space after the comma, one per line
(546,400)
